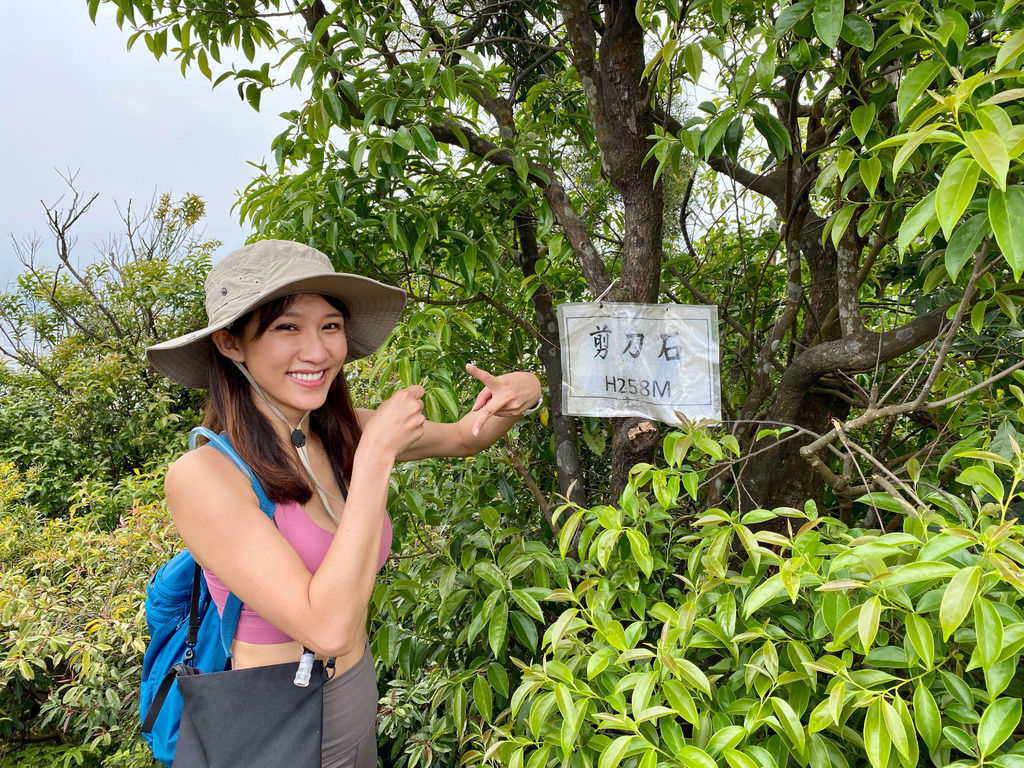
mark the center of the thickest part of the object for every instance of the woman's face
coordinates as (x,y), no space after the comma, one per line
(297,358)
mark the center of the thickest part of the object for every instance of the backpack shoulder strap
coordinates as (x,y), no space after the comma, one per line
(222,444)
(233,605)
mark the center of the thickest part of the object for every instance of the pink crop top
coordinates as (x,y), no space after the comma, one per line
(311,542)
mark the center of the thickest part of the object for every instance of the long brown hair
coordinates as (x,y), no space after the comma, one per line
(231,408)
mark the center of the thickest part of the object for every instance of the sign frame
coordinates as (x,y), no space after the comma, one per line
(639,397)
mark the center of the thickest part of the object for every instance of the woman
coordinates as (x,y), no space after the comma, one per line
(282,324)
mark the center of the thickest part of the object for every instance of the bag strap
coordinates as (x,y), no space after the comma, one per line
(178,670)
(233,605)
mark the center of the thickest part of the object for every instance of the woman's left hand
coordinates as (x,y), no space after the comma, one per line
(507,395)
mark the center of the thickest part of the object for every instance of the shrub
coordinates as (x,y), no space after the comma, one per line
(709,642)
(72,630)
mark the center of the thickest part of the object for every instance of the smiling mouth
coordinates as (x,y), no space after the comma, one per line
(311,376)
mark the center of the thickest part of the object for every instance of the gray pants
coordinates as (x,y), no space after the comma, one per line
(350,717)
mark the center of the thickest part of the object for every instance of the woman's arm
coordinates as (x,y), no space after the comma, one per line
(499,405)
(217,515)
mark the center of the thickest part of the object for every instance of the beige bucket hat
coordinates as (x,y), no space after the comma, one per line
(268,269)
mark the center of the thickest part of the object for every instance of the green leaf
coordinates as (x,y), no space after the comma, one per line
(539,711)
(960,739)
(498,678)
(913,141)
(695,757)
(680,700)
(876,738)
(955,191)
(910,760)
(641,551)
(897,733)
(915,221)
(1006,214)
(791,16)
(914,572)
(424,141)
(693,675)
(447,80)
(840,222)
(1011,49)
(985,477)
(458,700)
(988,628)
(335,109)
(828,20)
(497,630)
(775,134)
(693,60)
(978,316)
(999,675)
(526,601)
(957,599)
(857,31)
(867,622)
(915,83)
(720,11)
(337,190)
(790,723)
(870,171)
(921,638)
(761,594)
(737,759)
(964,244)
(611,756)
(524,628)
(861,120)
(725,738)
(642,692)
(482,697)
(999,721)
(990,151)
(927,717)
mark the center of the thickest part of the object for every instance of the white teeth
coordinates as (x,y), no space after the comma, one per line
(307,376)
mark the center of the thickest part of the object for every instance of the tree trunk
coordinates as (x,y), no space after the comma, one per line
(571,483)
(626,104)
(781,477)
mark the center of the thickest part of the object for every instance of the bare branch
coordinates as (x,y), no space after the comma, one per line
(524,473)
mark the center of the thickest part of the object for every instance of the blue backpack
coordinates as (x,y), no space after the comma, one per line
(186,634)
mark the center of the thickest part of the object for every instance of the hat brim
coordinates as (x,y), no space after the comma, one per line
(374,309)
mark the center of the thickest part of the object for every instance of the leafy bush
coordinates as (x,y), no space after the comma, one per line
(709,642)
(78,401)
(72,630)
(459,598)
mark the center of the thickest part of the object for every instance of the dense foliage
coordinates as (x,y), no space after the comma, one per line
(72,629)
(853,212)
(79,409)
(835,578)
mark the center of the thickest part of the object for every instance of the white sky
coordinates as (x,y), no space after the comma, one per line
(76,100)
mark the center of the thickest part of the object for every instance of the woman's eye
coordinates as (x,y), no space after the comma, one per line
(285,327)
(332,327)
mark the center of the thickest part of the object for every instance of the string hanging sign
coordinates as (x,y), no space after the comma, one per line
(658,361)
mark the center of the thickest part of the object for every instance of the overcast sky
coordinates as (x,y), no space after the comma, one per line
(76,100)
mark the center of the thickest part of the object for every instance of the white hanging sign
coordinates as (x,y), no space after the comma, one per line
(652,360)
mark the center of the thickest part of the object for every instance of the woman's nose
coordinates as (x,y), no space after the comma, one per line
(313,348)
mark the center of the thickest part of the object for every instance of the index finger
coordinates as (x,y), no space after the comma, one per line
(479,373)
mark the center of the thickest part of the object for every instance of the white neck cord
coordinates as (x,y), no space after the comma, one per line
(298,440)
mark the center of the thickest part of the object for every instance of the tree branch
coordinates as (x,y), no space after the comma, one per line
(524,473)
(544,177)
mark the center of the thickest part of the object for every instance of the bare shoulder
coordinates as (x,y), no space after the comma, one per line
(200,465)
(201,477)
